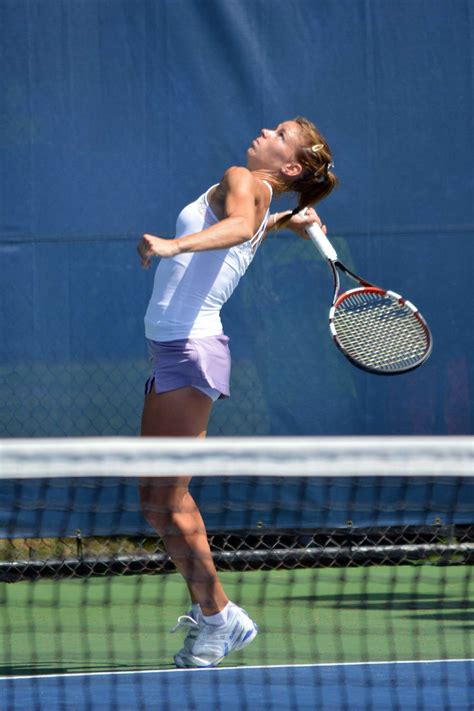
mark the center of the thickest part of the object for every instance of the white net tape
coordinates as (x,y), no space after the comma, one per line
(265,456)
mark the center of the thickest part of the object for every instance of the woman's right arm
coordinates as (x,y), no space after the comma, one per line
(237,227)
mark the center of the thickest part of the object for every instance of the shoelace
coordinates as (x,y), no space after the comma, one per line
(185,621)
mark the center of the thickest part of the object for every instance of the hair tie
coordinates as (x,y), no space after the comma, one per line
(317,147)
(319,175)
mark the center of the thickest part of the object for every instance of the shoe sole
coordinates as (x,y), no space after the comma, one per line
(191,662)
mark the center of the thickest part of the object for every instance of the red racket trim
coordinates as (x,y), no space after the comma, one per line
(367,289)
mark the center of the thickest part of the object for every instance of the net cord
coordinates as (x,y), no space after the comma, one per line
(237,456)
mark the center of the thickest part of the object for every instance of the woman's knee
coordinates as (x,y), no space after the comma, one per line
(162,503)
(169,523)
(160,521)
(156,510)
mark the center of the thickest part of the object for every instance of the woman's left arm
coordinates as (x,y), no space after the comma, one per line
(298,223)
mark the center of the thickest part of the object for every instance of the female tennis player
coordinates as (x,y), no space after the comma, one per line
(216,239)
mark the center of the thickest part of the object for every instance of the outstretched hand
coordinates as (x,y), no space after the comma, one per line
(304,219)
(150,246)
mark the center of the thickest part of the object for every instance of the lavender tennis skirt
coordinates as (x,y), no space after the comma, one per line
(201,362)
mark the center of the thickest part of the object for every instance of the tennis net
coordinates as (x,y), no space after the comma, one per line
(353,555)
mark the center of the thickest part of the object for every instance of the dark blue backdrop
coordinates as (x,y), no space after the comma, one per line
(115,113)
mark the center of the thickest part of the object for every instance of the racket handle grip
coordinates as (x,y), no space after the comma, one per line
(319,239)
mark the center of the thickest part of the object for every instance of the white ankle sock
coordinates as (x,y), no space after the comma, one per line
(219,618)
(196,610)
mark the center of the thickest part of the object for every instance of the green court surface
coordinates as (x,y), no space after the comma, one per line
(305,616)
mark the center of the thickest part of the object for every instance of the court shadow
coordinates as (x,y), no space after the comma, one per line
(42,669)
(424,606)
(459,615)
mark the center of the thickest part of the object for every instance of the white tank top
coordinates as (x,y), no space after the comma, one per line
(190,289)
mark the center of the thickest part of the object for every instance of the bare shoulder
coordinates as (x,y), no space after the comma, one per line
(238,176)
(242,180)
(240,192)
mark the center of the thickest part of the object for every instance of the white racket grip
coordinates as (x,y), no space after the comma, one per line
(319,239)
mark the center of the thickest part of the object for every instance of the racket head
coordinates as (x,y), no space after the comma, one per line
(379,331)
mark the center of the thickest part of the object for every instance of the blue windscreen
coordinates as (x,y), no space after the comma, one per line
(116,113)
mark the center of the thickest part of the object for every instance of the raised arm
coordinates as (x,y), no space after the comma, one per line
(238,226)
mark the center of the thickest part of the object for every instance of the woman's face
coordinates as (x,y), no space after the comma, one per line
(275,149)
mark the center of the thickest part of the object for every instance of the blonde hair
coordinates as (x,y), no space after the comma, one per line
(317,180)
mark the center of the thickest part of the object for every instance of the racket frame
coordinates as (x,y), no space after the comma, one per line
(383,292)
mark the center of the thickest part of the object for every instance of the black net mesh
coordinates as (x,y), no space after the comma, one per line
(361,586)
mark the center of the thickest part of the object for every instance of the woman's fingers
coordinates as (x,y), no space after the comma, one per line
(144,250)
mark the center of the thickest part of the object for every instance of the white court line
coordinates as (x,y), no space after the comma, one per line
(243,669)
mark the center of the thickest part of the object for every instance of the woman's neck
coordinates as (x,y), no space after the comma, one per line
(271,178)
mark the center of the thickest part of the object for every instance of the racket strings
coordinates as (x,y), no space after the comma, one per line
(379,332)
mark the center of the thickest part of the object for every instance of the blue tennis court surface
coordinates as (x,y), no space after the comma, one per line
(407,685)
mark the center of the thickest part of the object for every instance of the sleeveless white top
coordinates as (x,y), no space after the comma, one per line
(191,288)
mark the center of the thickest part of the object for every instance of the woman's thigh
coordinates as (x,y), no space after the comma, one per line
(177,413)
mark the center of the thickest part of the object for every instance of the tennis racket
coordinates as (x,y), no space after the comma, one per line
(377,330)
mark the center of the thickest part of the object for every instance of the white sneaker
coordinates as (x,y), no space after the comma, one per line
(214,642)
